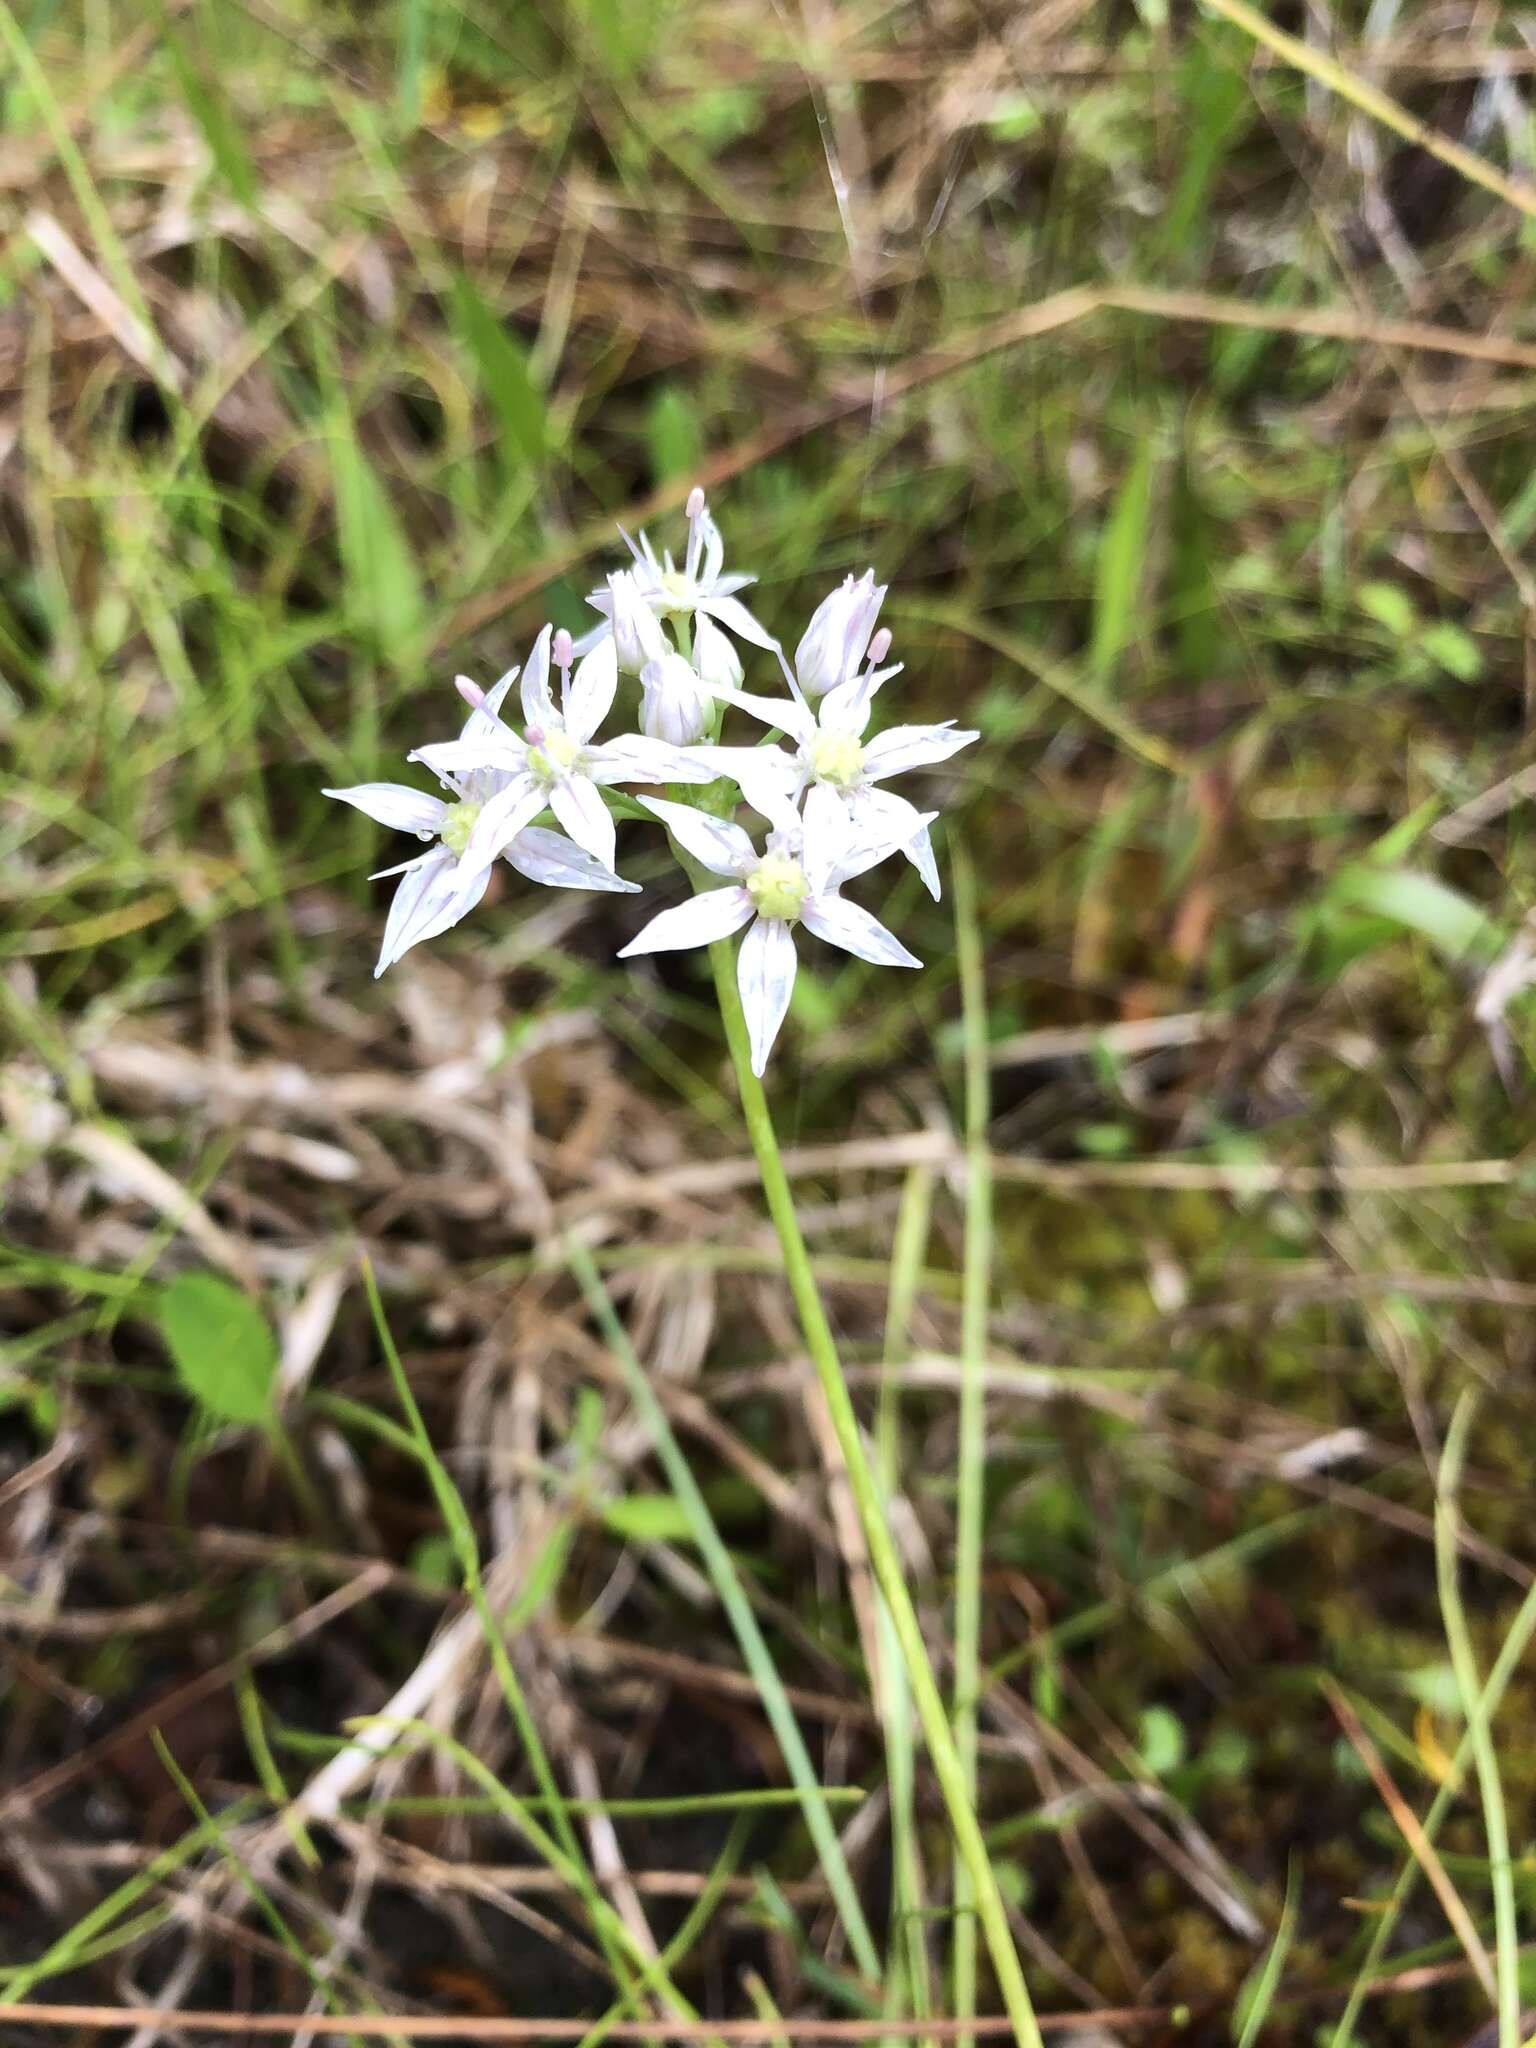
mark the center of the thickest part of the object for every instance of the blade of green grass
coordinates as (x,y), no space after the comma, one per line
(970,1426)
(732,1596)
(1485,1757)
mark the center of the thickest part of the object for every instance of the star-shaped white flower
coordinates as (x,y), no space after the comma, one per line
(555,762)
(794,881)
(444,884)
(835,770)
(698,591)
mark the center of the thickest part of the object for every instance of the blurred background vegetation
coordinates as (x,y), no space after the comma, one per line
(1186,407)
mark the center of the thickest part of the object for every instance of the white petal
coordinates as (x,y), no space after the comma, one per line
(846,925)
(430,898)
(698,922)
(721,847)
(784,712)
(496,696)
(769,779)
(593,683)
(558,863)
(919,850)
(714,549)
(765,974)
(487,746)
(538,706)
(581,810)
(847,707)
(829,833)
(714,655)
(394,804)
(882,822)
(731,612)
(633,758)
(912,746)
(502,818)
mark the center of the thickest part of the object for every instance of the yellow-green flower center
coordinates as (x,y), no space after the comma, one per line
(678,593)
(778,886)
(457,826)
(555,753)
(837,757)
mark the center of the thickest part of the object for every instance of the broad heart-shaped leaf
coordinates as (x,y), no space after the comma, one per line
(222,1346)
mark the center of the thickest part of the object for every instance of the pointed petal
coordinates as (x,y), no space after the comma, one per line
(504,816)
(769,779)
(593,683)
(580,808)
(722,848)
(919,850)
(538,706)
(829,833)
(634,758)
(846,925)
(786,713)
(488,746)
(698,922)
(714,550)
(394,804)
(881,823)
(496,696)
(558,863)
(912,746)
(733,614)
(765,974)
(430,899)
(846,707)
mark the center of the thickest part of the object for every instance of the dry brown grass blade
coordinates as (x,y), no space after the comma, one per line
(1407,1822)
(441,2027)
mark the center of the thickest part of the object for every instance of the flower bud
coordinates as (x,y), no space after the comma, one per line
(834,642)
(674,704)
(718,663)
(637,634)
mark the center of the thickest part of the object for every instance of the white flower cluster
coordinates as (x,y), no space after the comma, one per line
(828,815)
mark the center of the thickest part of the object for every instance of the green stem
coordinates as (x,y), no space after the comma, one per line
(883,1557)
(970,1449)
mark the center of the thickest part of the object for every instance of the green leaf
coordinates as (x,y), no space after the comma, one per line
(1390,606)
(1452,648)
(1419,903)
(1122,552)
(383,588)
(648,1518)
(504,373)
(672,436)
(1161,1741)
(221,1345)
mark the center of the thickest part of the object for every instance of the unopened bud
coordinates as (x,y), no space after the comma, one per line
(714,657)
(637,634)
(674,704)
(834,642)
